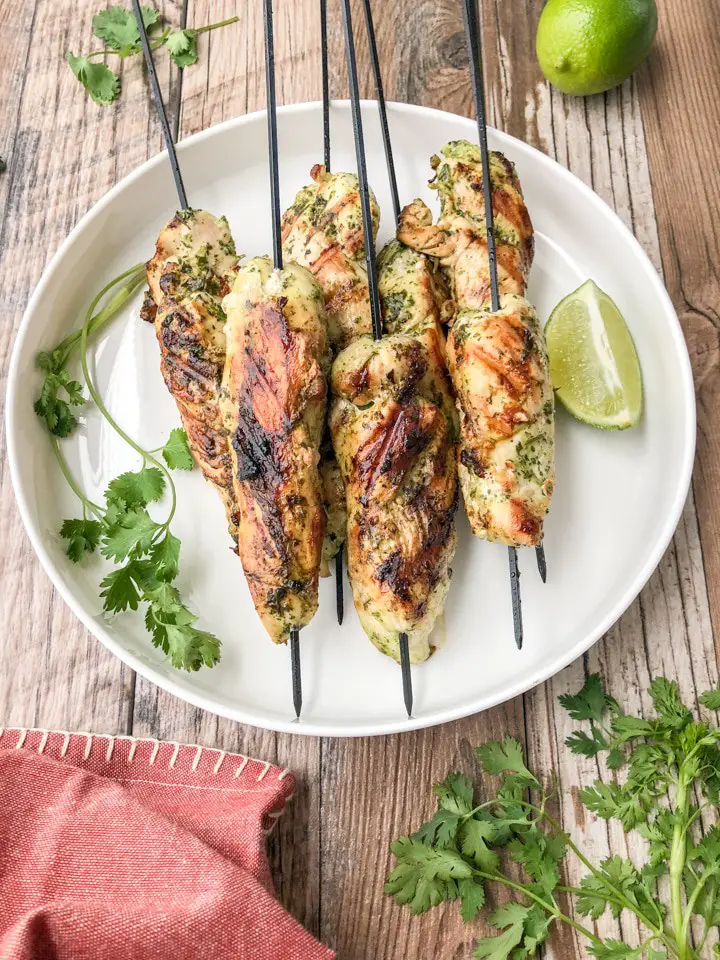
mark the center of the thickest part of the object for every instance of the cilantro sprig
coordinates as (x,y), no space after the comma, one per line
(144,551)
(670,774)
(118,30)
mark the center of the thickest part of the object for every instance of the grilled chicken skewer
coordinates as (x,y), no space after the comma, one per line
(393,426)
(274,396)
(188,276)
(322,231)
(497,359)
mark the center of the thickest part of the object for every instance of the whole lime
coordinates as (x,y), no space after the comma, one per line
(587,46)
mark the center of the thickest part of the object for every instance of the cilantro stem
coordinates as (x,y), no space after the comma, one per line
(552,909)
(678,852)
(618,894)
(103,317)
(100,404)
(216,26)
(65,469)
(687,919)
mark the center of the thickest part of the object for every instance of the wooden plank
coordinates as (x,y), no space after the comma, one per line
(667,631)
(229,81)
(376,790)
(53,673)
(682,119)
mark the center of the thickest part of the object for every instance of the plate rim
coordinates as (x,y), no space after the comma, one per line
(310,728)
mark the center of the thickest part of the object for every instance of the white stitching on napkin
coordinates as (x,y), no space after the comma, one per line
(21,738)
(43,741)
(196,761)
(88,747)
(245,761)
(216,768)
(174,756)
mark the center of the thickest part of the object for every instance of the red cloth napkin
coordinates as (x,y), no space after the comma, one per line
(117,848)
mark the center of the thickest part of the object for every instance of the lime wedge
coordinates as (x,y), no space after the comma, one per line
(593,364)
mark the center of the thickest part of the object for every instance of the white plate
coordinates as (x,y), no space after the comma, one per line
(618,498)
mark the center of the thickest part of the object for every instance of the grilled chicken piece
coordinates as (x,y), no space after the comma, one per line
(335,507)
(274,398)
(187,278)
(323,231)
(499,367)
(394,443)
(498,361)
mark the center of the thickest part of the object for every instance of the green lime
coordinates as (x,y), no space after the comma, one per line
(587,46)
(593,364)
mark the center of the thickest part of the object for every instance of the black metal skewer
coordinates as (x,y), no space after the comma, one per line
(325,84)
(160,107)
(339,592)
(375,310)
(377,76)
(473,42)
(278,263)
(541,562)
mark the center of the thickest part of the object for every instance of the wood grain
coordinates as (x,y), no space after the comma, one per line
(330,852)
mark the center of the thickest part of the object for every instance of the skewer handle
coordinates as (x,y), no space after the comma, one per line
(387,144)
(272,133)
(160,106)
(474,54)
(325,84)
(362,171)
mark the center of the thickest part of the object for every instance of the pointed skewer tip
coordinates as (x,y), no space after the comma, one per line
(406,674)
(541,562)
(296,673)
(339,594)
(515,597)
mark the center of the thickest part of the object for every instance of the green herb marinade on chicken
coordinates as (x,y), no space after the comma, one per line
(273,403)
(323,231)
(497,360)
(189,274)
(393,427)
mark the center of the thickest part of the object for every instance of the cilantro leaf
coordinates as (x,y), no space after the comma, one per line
(613,802)
(711,699)
(455,793)
(50,406)
(83,537)
(511,919)
(132,535)
(424,876)
(613,950)
(119,588)
(182,47)
(672,712)
(472,899)
(540,854)
(118,28)
(475,836)
(586,744)
(589,703)
(176,452)
(136,489)
(441,830)
(100,82)
(165,555)
(496,757)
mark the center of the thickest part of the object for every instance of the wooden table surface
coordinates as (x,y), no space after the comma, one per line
(648,148)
